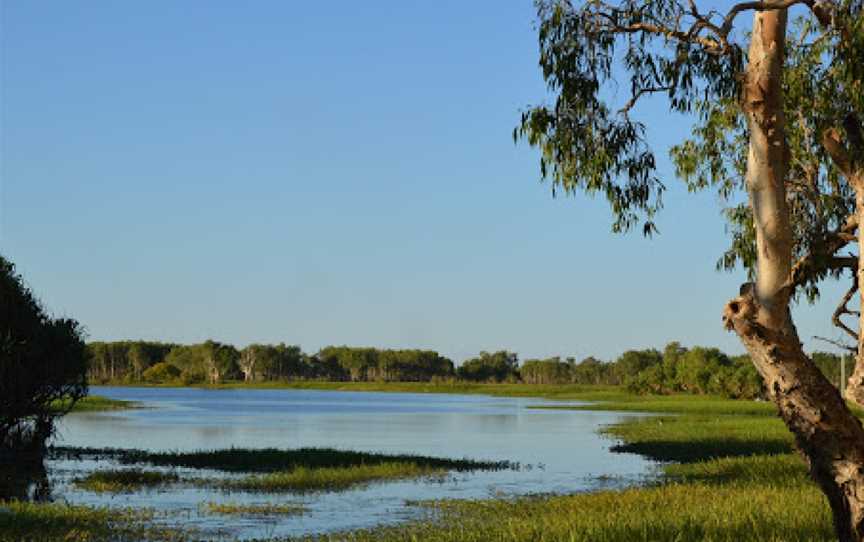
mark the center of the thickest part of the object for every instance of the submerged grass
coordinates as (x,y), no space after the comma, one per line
(268,509)
(303,479)
(124,480)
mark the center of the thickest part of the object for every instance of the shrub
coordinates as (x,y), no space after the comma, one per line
(161,372)
(43,366)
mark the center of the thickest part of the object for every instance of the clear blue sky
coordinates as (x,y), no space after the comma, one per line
(326,173)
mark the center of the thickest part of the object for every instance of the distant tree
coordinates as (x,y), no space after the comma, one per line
(593,371)
(160,373)
(546,371)
(494,367)
(43,367)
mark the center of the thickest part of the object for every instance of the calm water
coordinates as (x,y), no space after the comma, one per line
(563,449)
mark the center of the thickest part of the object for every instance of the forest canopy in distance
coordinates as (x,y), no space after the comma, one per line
(697,370)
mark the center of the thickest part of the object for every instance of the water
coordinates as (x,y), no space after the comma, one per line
(562,449)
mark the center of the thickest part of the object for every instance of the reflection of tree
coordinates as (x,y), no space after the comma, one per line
(24,481)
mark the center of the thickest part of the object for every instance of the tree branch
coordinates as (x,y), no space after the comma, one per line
(838,154)
(638,94)
(809,265)
(843,309)
(838,344)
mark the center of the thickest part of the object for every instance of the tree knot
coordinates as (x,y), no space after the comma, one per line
(740,313)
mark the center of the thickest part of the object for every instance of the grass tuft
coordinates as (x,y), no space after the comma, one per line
(303,479)
(124,480)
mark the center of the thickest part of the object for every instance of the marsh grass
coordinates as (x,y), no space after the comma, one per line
(124,480)
(671,512)
(268,509)
(31,522)
(273,459)
(95,403)
(304,479)
(688,438)
(735,478)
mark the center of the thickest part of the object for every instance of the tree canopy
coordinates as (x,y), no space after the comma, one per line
(42,367)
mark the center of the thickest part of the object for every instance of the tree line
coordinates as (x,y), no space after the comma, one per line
(696,370)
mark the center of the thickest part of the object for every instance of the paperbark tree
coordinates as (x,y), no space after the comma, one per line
(798,213)
(247,362)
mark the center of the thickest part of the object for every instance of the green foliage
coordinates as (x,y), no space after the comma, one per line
(42,367)
(586,143)
(496,367)
(161,372)
(819,202)
(697,370)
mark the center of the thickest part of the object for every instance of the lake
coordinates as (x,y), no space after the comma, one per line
(560,450)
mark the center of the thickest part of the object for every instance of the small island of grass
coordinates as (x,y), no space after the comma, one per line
(124,480)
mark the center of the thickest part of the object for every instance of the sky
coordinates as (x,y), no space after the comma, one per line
(328,173)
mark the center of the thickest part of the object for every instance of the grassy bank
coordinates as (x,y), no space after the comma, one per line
(550,391)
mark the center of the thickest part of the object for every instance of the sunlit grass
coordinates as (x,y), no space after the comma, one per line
(49,522)
(303,479)
(672,512)
(124,480)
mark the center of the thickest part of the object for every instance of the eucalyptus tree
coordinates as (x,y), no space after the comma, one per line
(777,121)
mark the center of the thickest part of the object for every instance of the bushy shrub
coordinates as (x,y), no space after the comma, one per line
(161,372)
(43,367)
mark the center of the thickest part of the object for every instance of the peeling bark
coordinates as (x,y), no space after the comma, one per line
(830,437)
(855,384)
(826,432)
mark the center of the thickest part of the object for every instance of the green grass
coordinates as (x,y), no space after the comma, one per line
(272,459)
(304,479)
(124,480)
(672,512)
(269,509)
(49,522)
(700,437)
